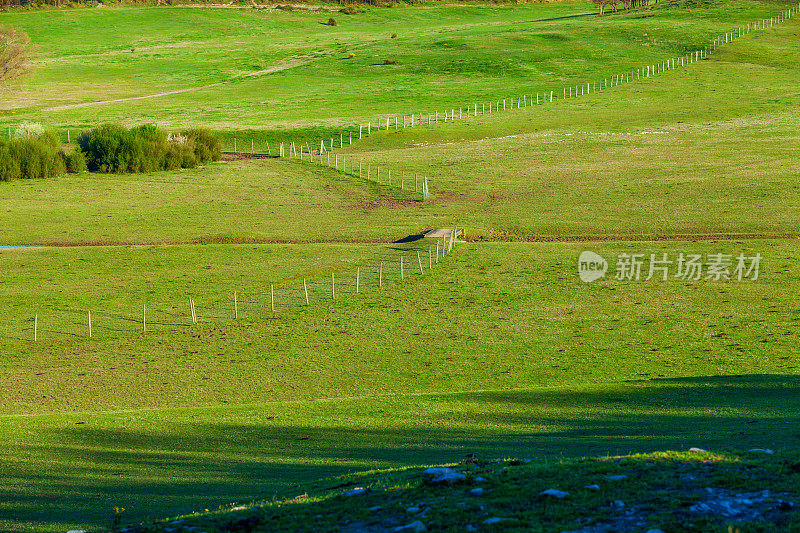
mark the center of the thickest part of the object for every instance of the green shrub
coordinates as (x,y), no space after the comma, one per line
(9,165)
(207,146)
(75,161)
(113,148)
(31,156)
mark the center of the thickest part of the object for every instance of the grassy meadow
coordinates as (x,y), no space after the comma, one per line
(498,350)
(288,70)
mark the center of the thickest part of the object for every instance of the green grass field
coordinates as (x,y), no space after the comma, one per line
(474,53)
(498,350)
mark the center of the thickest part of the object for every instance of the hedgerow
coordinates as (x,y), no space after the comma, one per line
(146,148)
(31,156)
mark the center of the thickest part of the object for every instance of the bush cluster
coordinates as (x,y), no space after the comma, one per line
(114,148)
(31,156)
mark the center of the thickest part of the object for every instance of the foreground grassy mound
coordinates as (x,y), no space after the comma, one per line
(672,491)
(70,470)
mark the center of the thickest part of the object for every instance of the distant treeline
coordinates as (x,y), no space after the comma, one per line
(288,6)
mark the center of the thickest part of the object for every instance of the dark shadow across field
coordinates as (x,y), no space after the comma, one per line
(161,463)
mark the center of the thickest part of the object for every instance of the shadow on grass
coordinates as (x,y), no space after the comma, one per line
(74,469)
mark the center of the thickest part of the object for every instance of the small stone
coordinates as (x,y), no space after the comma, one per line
(442,476)
(413,527)
(619,504)
(762,450)
(375,509)
(412,510)
(783,505)
(355,492)
(239,508)
(619,477)
(76,531)
(480,479)
(592,487)
(495,520)
(476,492)
(654,531)
(470,527)
(696,450)
(554,493)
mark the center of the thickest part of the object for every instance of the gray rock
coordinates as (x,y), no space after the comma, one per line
(619,477)
(375,509)
(478,491)
(654,531)
(412,510)
(495,520)
(696,450)
(480,479)
(619,504)
(442,476)
(592,487)
(554,493)
(762,450)
(470,527)
(413,527)
(355,492)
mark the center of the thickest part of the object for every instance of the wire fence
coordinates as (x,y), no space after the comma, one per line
(321,150)
(400,263)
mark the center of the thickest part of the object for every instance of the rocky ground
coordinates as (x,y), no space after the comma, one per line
(696,490)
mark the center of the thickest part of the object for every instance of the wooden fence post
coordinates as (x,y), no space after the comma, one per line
(272,297)
(90,324)
(235,305)
(305,289)
(419,260)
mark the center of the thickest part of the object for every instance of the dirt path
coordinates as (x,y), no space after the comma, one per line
(689,237)
(276,68)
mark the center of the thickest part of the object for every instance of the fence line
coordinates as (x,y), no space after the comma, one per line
(147,317)
(474,109)
(326,147)
(392,120)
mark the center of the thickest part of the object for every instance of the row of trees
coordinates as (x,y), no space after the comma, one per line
(629,4)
